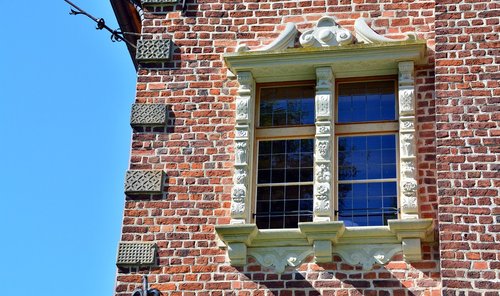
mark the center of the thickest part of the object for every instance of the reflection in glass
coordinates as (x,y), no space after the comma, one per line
(282,106)
(366,101)
(282,205)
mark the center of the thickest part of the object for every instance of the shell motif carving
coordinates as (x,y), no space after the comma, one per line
(280,258)
(367,255)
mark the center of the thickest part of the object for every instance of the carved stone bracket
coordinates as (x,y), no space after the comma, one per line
(243,144)
(148,115)
(279,258)
(326,33)
(411,232)
(367,255)
(323,188)
(153,50)
(407,139)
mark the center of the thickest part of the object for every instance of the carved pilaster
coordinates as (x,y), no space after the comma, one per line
(407,142)
(243,145)
(323,189)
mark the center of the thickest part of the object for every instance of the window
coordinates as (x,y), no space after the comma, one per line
(366,162)
(285,147)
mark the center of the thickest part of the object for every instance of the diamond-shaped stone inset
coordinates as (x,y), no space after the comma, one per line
(141,182)
(153,50)
(136,253)
(152,2)
(148,114)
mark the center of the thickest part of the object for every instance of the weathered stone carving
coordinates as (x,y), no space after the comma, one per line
(366,34)
(238,199)
(279,258)
(408,168)
(407,144)
(153,50)
(406,73)
(323,129)
(367,255)
(148,114)
(407,123)
(406,101)
(323,148)
(240,176)
(141,182)
(326,33)
(136,254)
(323,173)
(241,152)
(323,105)
(285,40)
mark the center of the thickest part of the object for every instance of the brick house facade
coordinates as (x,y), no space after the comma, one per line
(180,187)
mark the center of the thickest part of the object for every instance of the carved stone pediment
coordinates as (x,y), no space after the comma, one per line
(326,33)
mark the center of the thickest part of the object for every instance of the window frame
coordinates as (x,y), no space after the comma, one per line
(270,133)
(365,128)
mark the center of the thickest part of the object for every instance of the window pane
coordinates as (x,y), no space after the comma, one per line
(285,207)
(367,204)
(366,157)
(285,161)
(366,101)
(282,106)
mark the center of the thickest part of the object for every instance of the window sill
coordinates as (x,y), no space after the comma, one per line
(278,248)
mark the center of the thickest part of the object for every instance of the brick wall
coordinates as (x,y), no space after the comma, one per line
(196,152)
(468,145)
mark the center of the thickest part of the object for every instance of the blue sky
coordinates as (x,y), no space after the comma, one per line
(65,98)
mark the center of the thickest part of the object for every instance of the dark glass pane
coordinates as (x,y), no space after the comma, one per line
(262,222)
(306,159)
(263,193)
(366,101)
(278,176)
(292,192)
(277,193)
(306,174)
(292,206)
(264,161)
(293,160)
(292,146)
(306,192)
(291,221)
(367,157)
(293,175)
(264,176)
(263,206)
(278,161)
(265,147)
(307,145)
(291,105)
(276,222)
(306,218)
(367,204)
(277,206)
(278,147)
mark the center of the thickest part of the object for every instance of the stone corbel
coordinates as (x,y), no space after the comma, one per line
(237,237)
(411,233)
(321,235)
(366,34)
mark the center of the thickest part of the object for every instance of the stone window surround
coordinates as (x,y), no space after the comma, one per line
(278,248)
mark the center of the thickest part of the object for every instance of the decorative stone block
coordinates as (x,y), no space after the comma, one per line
(148,114)
(153,50)
(140,182)
(153,2)
(136,254)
